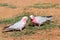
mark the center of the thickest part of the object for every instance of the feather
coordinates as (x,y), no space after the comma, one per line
(40,19)
(18,25)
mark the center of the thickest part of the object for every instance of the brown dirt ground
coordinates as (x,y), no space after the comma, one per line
(6,12)
(52,34)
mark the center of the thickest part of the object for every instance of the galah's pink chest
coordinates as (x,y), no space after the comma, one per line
(34,20)
(24,20)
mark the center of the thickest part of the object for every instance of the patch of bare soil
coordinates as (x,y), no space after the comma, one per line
(8,12)
(52,34)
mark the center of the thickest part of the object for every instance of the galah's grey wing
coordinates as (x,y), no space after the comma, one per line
(6,27)
(10,27)
(40,20)
(47,16)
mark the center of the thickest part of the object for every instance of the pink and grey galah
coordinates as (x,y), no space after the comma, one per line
(18,25)
(40,19)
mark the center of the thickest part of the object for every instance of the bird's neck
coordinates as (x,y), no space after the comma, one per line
(24,20)
(33,20)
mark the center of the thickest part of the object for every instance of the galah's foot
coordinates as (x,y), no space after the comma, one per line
(39,25)
(21,30)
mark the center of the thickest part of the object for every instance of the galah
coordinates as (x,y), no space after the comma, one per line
(18,25)
(40,19)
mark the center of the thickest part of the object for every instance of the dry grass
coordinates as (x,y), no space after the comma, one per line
(7,5)
(45,5)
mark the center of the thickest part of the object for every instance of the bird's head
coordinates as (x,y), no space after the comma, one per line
(31,16)
(25,18)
